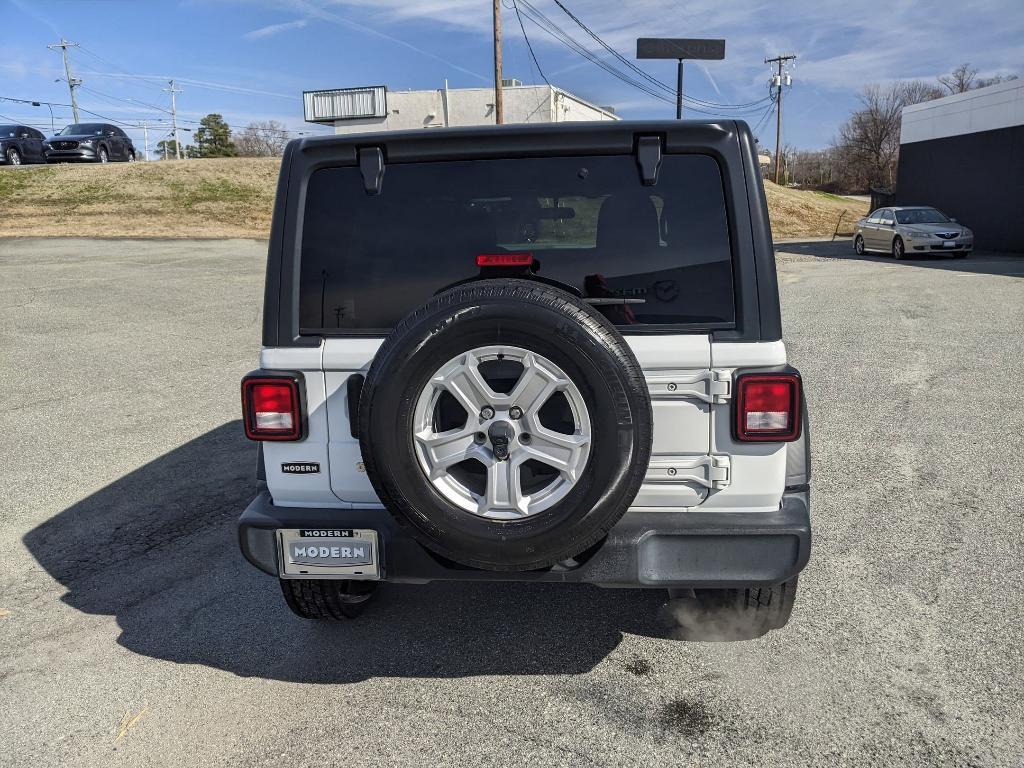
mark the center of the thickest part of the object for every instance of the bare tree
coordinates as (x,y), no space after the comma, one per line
(812,168)
(868,145)
(982,82)
(870,139)
(919,91)
(960,80)
(262,139)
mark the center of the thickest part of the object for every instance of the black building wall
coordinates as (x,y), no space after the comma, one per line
(977,178)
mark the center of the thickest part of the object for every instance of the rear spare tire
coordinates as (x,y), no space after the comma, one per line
(507,424)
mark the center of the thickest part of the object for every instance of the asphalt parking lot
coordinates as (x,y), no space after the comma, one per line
(132,632)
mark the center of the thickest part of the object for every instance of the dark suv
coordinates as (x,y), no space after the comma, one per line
(530,353)
(90,142)
(20,144)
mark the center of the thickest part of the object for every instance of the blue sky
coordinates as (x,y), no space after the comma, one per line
(251,59)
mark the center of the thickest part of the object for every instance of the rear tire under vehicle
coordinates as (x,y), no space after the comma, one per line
(13,156)
(729,615)
(103,157)
(327,599)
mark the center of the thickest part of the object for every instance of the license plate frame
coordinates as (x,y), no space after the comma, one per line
(949,244)
(339,553)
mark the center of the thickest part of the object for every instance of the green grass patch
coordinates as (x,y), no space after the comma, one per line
(15,183)
(215,191)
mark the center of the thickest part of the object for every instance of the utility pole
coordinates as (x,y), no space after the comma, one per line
(174,117)
(778,81)
(73,82)
(145,138)
(499,112)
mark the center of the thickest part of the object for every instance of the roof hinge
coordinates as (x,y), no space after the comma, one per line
(371,163)
(648,157)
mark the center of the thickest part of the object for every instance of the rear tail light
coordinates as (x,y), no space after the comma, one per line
(504,259)
(272,406)
(767,407)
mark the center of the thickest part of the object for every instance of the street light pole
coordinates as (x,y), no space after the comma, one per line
(49,107)
(679,91)
(679,49)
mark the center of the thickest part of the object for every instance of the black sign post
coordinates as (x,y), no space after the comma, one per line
(679,49)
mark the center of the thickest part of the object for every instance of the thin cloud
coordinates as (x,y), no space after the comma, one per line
(311,10)
(273,29)
(28,10)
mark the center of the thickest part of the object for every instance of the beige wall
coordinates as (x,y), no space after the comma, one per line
(475,106)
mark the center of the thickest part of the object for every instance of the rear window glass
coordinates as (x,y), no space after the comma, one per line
(642,255)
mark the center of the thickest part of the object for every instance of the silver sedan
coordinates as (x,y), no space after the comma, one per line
(906,230)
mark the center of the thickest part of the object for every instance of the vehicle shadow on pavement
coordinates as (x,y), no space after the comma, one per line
(158,550)
(980,262)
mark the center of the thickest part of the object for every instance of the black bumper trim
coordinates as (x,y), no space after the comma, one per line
(645,549)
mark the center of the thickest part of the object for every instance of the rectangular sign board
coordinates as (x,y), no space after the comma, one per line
(679,48)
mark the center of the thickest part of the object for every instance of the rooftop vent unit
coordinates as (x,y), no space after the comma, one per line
(510,82)
(345,104)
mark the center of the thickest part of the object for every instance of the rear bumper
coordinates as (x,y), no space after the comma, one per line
(645,549)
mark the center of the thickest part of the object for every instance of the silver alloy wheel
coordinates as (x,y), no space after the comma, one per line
(103,156)
(897,248)
(13,157)
(488,420)
(858,245)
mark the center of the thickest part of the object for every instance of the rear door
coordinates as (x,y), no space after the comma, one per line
(656,260)
(116,145)
(36,138)
(870,229)
(884,229)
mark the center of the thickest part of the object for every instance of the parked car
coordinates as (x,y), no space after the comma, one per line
(904,230)
(90,142)
(442,397)
(20,144)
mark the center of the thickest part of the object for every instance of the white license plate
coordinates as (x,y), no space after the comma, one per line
(310,553)
(949,244)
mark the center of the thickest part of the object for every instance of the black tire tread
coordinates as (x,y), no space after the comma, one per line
(731,615)
(320,599)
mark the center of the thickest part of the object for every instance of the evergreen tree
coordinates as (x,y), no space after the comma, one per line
(213,137)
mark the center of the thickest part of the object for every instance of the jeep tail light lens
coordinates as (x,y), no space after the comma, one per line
(768,407)
(504,259)
(272,408)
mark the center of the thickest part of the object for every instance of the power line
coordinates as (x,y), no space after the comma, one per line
(632,66)
(648,85)
(763,121)
(125,100)
(552,29)
(530,47)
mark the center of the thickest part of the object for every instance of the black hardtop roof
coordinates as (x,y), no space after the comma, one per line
(618,135)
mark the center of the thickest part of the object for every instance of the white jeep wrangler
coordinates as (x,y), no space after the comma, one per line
(533,353)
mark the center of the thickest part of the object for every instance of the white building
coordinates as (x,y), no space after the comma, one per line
(361,110)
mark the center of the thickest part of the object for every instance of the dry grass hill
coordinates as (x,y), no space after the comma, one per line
(234,197)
